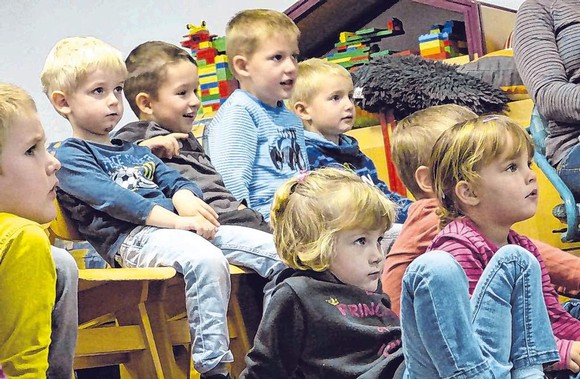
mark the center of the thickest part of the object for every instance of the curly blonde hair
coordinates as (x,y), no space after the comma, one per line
(308,211)
(461,151)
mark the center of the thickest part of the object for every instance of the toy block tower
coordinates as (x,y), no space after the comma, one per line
(216,81)
(354,49)
(444,41)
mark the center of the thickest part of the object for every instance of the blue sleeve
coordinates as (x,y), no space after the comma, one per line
(233,143)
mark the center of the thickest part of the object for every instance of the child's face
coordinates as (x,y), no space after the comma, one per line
(96,107)
(271,70)
(358,258)
(177,103)
(507,190)
(330,112)
(27,180)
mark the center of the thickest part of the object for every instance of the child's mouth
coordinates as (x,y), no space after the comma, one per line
(287,83)
(189,115)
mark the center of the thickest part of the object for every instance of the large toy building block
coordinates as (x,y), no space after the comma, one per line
(216,81)
(444,41)
(354,49)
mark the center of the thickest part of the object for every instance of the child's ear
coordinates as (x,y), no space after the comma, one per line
(423,179)
(143,101)
(302,111)
(465,193)
(239,64)
(60,103)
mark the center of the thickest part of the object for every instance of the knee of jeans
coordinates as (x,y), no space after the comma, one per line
(433,266)
(519,254)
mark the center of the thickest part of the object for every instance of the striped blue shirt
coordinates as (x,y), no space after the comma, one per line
(256,147)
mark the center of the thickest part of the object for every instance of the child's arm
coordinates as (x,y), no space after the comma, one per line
(187,204)
(166,146)
(278,342)
(233,143)
(27,295)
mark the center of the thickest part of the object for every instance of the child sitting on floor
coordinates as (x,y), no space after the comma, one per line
(480,172)
(328,318)
(412,143)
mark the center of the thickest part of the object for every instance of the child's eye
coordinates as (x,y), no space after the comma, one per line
(295,57)
(530,163)
(277,57)
(361,241)
(99,91)
(181,93)
(380,241)
(31,150)
(119,89)
(335,98)
(512,167)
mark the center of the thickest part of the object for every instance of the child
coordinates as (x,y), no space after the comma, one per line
(27,270)
(412,143)
(327,320)
(128,204)
(255,142)
(480,170)
(322,98)
(162,91)
(162,87)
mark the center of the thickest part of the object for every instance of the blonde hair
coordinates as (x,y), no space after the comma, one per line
(14,103)
(415,135)
(309,211)
(248,28)
(147,69)
(461,151)
(72,59)
(311,74)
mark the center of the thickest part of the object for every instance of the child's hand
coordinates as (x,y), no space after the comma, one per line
(574,364)
(198,207)
(165,146)
(197,224)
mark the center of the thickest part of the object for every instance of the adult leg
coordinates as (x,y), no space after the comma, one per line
(439,340)
(510,288)
(568,170)
(64,316)
(207,286)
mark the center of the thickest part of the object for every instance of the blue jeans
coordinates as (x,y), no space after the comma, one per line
(204,265)
(569,171)
(501,332)
(64,316)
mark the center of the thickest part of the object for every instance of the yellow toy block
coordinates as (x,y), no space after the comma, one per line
(205,45)
(214,91)
(207,110)
(344,36)
(221,59)
(431,44)
(431,51)
(208,79)
(207,69)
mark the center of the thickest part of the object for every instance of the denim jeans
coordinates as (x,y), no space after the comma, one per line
(569,171)
(204,265)
(64,316)
(503,331)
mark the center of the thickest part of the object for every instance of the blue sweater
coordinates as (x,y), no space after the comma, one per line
(109,190)
(256,147)
(324,153)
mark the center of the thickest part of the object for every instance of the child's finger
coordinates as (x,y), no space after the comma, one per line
(179,135)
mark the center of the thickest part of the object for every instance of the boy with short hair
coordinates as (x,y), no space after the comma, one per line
(255,142)
(128,204)
(412,143)
(322,98)
(162,89)
(37,336)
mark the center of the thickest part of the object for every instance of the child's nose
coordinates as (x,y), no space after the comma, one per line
(53,164)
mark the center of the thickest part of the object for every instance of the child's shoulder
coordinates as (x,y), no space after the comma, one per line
(15,227)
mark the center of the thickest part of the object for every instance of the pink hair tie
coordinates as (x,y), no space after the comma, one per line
(302,175)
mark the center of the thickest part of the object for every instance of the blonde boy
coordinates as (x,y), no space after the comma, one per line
(255,142)
(135,210)
(413,141)
(322,98)
(28,277)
